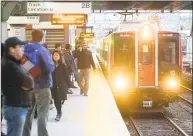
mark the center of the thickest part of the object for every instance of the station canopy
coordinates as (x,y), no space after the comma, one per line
(142,5)
(106,15)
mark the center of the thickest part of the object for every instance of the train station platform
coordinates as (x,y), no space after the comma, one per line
(92,115)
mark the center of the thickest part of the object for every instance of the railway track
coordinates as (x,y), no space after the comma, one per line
(159,126)
(187,96)
(189,89)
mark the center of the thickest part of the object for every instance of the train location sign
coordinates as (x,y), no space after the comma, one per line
(69,19)
(87,35)
(58,7)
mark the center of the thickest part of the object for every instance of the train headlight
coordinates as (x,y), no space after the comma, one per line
(146,31)
(173,83)
(120,82)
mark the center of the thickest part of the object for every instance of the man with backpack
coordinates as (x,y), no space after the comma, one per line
(39,56)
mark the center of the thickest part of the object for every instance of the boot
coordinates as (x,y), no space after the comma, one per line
(58,116)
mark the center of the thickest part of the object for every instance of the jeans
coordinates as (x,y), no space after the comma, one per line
(41,100)
(15,117)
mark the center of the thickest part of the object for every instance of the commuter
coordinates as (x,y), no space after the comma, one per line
(40,56)
(68,56)
(16,85)
(2,54)
(84,62)
(61,82)
(58,47)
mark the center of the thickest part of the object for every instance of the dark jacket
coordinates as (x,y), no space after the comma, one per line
(61,82)
(69,59)
(13,77)
(84,59)
(43,60)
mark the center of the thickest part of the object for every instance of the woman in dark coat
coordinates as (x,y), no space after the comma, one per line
(61,82)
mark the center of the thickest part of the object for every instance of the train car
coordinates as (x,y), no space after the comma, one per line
(143,67)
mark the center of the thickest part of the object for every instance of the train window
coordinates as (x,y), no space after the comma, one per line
(123,54)
(168,52)
(145,54)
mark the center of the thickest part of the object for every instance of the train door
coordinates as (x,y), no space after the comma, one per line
(146,57)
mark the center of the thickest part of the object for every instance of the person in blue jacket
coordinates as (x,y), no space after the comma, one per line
(36,52)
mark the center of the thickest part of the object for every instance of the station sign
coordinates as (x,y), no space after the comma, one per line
(23,20)
(58,7)
(87,35)
(17,32)
(69,19)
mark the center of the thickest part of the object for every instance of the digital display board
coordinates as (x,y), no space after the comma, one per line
(69,19)
(87,35)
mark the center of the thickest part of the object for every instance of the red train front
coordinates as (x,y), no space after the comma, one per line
(143,67)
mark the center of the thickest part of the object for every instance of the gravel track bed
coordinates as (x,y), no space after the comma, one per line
(155,127)
(181,114)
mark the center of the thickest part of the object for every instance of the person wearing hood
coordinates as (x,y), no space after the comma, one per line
(37,54)
(16,84)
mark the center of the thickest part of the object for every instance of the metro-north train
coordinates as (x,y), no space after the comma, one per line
(143,67)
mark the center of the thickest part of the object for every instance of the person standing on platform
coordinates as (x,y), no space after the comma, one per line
(84,63)
(61,82)
(68,56)
(58,47)
(16,85)
(40,56)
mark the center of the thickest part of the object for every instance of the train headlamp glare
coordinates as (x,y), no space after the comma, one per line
(172,83)
(120,83)
(146,31)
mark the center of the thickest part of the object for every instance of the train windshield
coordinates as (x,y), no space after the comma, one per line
(169,50)
(124,50)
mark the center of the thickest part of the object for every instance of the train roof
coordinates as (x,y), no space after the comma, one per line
(159,31)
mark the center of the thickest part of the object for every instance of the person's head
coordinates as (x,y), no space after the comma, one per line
(84,44)
(58,47)
(56,56)
(37,35)
(13,47)
(68,47)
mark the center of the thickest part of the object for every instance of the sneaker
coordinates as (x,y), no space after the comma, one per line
(74,86)
(58,117)
(69,91)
